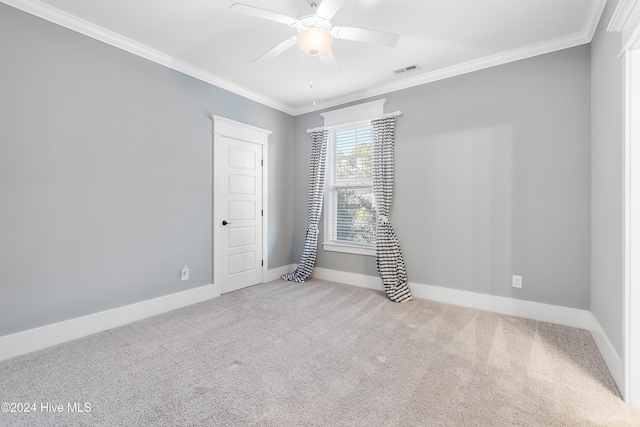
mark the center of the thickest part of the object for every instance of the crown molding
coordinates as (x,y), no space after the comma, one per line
(626,21)
(572,40)
(51,14)
(621,15)
(86,28)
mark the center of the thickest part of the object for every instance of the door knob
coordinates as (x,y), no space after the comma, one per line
(226,223)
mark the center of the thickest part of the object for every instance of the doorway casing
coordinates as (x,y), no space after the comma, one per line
(223,126)
(626,21)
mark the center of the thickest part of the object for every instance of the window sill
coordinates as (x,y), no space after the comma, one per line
(350,249)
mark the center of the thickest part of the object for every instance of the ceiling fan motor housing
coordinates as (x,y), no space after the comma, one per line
(312,20)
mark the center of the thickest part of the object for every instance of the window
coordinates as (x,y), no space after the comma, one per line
(349,207)
(350,212)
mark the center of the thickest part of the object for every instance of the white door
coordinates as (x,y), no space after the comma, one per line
(237,224)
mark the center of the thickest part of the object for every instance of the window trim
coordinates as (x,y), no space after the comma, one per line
(336,120)
(353,114)
(350,249)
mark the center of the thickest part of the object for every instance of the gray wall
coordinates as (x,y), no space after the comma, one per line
(105,175)
(492,179)
(105,178)
(607,145)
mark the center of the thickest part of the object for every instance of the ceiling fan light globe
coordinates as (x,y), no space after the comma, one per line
(314,41)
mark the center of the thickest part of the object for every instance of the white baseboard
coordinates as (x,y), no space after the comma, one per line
(509,306)
(57,333)
(611,357)
(567,316)
(277,272)
(560,315)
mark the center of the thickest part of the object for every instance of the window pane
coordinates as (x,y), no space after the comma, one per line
(355,219)
(353,155)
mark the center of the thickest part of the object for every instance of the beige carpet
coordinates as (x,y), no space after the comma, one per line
(319,354)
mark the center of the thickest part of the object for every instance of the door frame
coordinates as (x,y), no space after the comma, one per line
(223,126)
(626,21)
(631,310)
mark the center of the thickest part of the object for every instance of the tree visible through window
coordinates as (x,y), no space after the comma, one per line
(350,187)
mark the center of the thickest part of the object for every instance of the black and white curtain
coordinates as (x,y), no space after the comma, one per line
(319,141)
(388,255)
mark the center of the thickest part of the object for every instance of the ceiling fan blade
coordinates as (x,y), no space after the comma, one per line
(328,8)
(365,36)
(280,48)
(329,63)
(263,13)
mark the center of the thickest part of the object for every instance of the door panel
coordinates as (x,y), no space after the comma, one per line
(242,236)
(241,158)
(241,210)
(242,263)
(241,184)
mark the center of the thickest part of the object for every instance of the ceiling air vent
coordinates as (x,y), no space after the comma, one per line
(407,69)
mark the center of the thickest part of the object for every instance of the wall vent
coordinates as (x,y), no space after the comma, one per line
(407,69)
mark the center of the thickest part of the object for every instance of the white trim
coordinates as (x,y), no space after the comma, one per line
(621,15)
(626,185)
(238,130)
(94,31)
(81,26)
(354,113)
(453,71)
(560,315)
(568,316)
(631,316)
(276,273)
(348,249)
(265,212)
(350,124)
(57,333)
(351,117)
(593,19)
(572,40)
(611,357)
(68,330)
(626,21)
(228,128)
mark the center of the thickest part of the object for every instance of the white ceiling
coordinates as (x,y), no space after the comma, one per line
(204,39)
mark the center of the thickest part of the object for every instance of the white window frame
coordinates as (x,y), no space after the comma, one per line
(336,120)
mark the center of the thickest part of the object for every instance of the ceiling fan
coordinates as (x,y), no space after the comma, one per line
(316,31)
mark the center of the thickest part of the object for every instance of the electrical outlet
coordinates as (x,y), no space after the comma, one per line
(184,273)
(516,282)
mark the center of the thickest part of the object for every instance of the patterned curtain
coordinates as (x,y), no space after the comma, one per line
(319,140)
(388,255)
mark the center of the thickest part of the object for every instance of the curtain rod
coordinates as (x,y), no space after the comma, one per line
(384,116)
